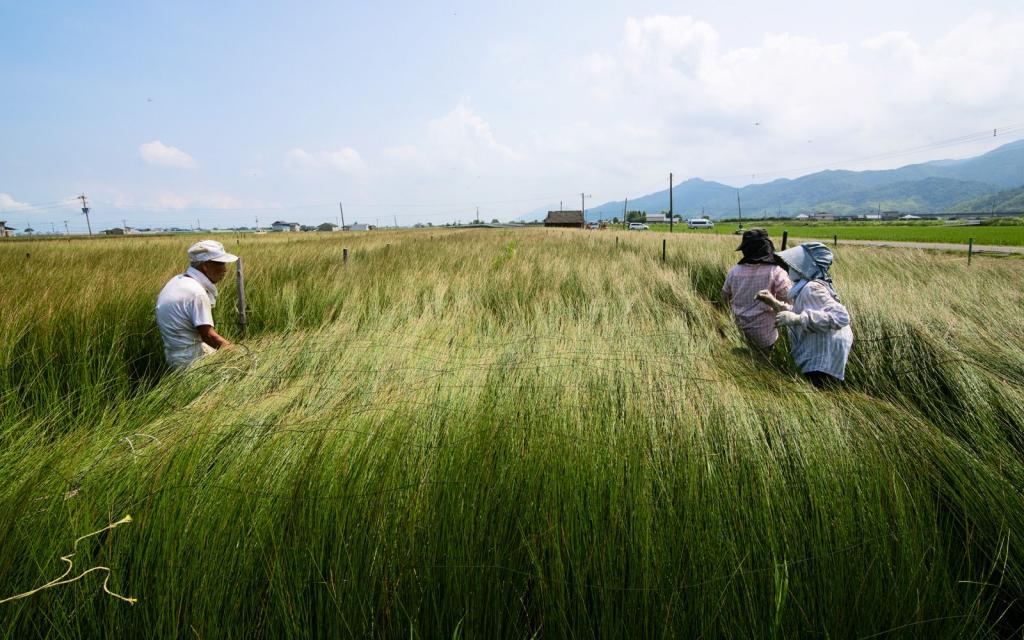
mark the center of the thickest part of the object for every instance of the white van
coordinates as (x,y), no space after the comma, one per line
(638,226)
(700,223)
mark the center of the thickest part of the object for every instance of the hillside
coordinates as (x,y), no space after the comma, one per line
(1009,200)
(939,185)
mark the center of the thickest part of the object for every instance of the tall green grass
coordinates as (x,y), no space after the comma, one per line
(507,434)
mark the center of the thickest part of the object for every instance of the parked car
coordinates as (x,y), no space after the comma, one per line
(638,226)
(700,223)
(593,225)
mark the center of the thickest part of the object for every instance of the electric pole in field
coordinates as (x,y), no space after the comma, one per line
(53,229)
(66,230)
(124,225)
(583,205)
(625,203)
(396,221)
(671,208)
(85,211)
(342,210)
(739,208)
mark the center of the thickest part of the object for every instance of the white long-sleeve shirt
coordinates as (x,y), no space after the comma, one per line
(823,340)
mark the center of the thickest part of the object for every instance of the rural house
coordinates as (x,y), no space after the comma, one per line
(570,219)
(327,226)
(281,225)
(657,217)
(5,231)
(121,231)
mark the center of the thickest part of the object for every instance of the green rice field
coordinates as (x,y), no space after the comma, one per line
(505,433)
(929,232)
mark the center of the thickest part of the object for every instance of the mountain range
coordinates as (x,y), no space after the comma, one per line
(930,187)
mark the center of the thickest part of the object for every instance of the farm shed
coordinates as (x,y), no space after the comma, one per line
(327,226)
(570,219)
(281,225)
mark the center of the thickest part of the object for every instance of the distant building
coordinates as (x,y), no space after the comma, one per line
(327,226)
(823,215)
(657,217)
(569,219)
(281,225)
(121,231)
(359,227)
(803,216)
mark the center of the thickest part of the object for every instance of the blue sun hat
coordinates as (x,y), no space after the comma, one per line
(812,261)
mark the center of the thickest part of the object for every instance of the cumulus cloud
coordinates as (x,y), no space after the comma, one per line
(461,140)
(762,105)
(8,203)
(159,154)
(346,160)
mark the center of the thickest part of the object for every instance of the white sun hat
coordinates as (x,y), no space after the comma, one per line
(209,251)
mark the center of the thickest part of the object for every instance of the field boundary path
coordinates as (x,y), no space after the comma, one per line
(937,246)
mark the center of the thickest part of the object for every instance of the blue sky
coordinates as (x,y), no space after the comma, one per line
(163,113)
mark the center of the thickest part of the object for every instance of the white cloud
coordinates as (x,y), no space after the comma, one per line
(8,203)
(461,141)
(721,111)
(159,154)
(346,160)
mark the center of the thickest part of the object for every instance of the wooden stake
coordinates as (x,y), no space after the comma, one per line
(243,318)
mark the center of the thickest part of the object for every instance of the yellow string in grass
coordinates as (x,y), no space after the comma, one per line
(60,580)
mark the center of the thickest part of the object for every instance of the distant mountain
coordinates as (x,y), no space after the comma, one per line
(928,187)
(1009,200)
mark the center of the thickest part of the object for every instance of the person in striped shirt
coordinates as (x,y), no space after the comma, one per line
(820,335)
(756,271)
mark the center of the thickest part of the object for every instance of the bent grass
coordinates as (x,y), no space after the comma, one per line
(509,433)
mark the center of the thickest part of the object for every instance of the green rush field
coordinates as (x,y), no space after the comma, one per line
(886,232)
(505,434)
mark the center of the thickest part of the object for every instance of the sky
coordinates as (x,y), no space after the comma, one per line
(216,114)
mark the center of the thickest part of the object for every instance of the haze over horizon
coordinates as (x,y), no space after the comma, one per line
(162,114)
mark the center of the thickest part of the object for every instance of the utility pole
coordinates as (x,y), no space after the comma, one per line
(66,230)
(257,224)
(478,214)
(739,208)
(85,211)
(342,210)
(625,203)
(583,205)
(53,229)
(396,220)
(671,208)
(124,225)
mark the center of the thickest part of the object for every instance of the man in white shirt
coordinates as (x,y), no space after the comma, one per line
(184,308)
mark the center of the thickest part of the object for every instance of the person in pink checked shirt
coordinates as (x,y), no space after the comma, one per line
(756,271)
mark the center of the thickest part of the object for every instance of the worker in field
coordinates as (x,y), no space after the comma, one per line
(757,271)
(184,308)
(820,336)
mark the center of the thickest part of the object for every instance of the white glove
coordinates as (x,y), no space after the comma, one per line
(787,319)
(766,297)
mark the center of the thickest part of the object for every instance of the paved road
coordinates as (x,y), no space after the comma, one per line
(937,246)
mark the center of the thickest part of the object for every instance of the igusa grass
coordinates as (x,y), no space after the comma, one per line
(507,434)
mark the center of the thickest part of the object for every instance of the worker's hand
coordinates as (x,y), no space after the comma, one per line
(766,297)
(787,319)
